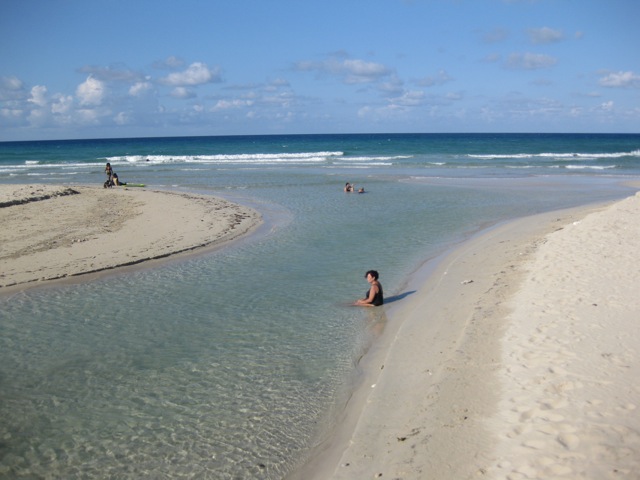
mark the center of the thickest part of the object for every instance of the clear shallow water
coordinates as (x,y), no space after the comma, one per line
(227,365)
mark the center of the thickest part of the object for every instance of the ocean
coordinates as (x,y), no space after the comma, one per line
(234,363)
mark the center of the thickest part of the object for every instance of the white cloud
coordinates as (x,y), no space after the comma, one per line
(169,63)
(607,106)
(576,111)
(359,71)
(283,99)
(11,113)
(353,71)
(408,99)
(11,88)
(394,86)
(122,118)
(61,104)
(438,79)
(87,116)
(365,112)
(10,83)
(38,117)
(620,79)
(387,112)
(91,92)
(196,74)
(279,82)
(139,88)
(530,61)
(115,73)
(39,96)
(231,104)
(182,92)
(544,35)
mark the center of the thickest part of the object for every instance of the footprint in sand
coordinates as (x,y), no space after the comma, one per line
(569,441)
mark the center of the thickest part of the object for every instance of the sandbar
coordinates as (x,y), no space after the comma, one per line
(52,232)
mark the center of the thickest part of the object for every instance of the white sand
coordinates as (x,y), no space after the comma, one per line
(517,359)
(51,232)
(570,381)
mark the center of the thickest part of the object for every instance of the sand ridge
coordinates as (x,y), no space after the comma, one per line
(52,231)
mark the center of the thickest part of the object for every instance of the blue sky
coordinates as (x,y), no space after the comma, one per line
(113,68)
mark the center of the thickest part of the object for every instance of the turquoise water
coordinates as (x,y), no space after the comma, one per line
(229,364)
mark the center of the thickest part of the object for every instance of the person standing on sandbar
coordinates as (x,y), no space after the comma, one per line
(374,296)
(109,171)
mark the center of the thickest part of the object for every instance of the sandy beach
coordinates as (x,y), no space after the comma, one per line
(517,359)
(51,232)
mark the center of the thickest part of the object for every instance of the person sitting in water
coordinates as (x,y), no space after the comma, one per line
(348,187)
(374,296)
(361,190)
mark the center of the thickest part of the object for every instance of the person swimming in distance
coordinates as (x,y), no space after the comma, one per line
(374,296)
(348,188)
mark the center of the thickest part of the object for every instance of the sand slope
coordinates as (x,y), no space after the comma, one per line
(570,382)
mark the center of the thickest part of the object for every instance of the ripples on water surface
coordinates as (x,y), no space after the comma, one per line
(227,364)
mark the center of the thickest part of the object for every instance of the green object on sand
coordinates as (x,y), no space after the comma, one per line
(133,185)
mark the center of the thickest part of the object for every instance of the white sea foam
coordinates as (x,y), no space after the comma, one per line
(590,167)
(360,165)
(258,158)
(495,156)
(557,156)
(374,159)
